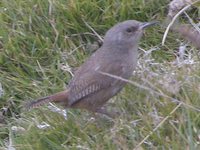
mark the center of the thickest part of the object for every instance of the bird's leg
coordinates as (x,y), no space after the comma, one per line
(104,110)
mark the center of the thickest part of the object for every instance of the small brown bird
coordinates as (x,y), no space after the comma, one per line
(90,89)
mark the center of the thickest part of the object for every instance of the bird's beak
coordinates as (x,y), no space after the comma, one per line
(148,24)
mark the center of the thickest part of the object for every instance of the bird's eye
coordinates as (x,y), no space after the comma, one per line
(131,29)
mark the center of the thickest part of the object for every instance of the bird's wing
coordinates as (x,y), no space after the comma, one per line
(90,82)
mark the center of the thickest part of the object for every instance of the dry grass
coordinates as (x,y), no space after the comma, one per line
(40,44)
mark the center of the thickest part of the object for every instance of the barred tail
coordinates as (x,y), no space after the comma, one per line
(61,97)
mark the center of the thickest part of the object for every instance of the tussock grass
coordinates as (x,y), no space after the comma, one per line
(40,41)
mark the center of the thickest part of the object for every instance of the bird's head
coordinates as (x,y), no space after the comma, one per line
(127,33)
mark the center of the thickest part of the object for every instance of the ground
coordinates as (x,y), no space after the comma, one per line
(42,42)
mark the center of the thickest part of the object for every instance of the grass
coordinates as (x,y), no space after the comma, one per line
(39,40)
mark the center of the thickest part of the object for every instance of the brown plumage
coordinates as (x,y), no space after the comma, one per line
(89,89)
